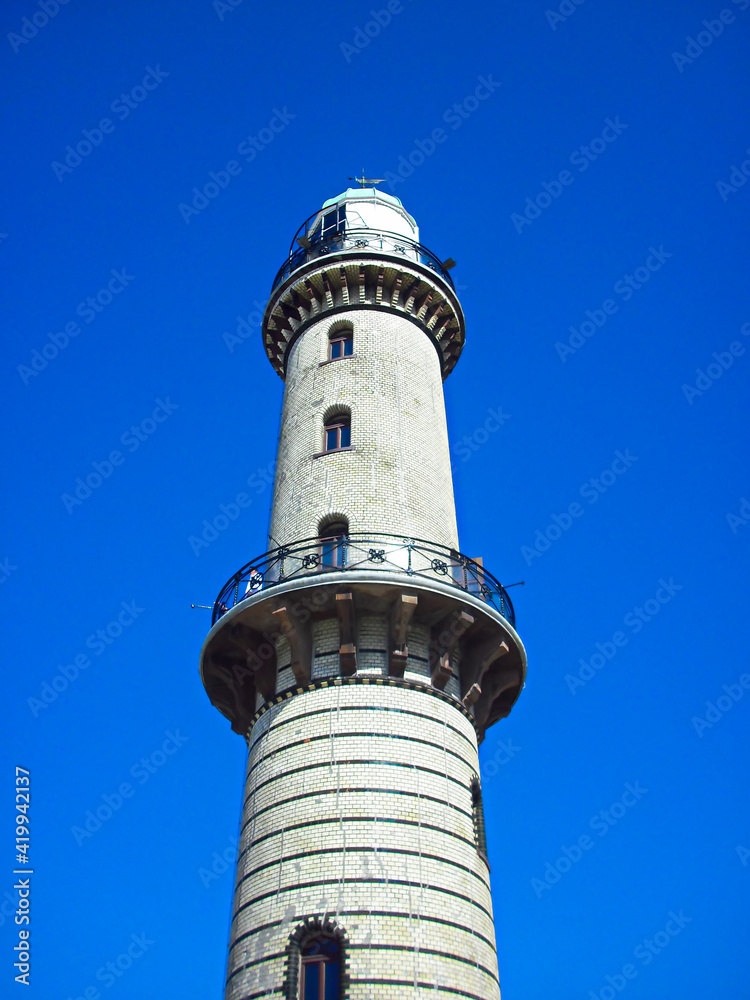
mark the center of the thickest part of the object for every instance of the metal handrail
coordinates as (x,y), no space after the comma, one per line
(358,550)
(357,240)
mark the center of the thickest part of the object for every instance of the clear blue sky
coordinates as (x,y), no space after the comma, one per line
(645,200)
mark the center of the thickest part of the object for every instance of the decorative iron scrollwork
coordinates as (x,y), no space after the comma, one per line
(390,552)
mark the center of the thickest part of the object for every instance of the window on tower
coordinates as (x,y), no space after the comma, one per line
(320,975)
(334,222)
(333,537)
(337,432)
(341,343)
(477,811)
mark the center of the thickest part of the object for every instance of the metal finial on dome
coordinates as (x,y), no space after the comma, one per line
(364,181)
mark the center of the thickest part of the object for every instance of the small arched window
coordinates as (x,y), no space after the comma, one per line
(320,972)
(333,539)
(477,812)
(341,343)
(337,432)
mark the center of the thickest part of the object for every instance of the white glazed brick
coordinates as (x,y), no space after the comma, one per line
(396,861)
(398,478)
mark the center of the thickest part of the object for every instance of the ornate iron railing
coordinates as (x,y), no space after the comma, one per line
(360,240)
(358,551)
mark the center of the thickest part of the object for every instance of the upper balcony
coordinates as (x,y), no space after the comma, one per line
(359,241)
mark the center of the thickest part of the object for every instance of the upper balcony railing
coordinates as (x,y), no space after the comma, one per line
(358,241)
(358,551)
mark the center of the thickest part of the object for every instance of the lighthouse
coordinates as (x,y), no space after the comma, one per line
(360,653)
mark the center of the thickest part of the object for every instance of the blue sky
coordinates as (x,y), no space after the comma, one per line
(640,239)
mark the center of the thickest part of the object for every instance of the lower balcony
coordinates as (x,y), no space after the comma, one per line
(363,609)
(358,551)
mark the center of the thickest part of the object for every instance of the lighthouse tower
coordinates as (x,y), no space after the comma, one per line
(363,656)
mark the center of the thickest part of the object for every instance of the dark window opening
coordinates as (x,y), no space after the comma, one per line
(341,344)
(320,974)
(477,811)
(338,433)
(334,222)
(333,539)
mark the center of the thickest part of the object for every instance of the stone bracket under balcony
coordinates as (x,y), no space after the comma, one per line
(240,653)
